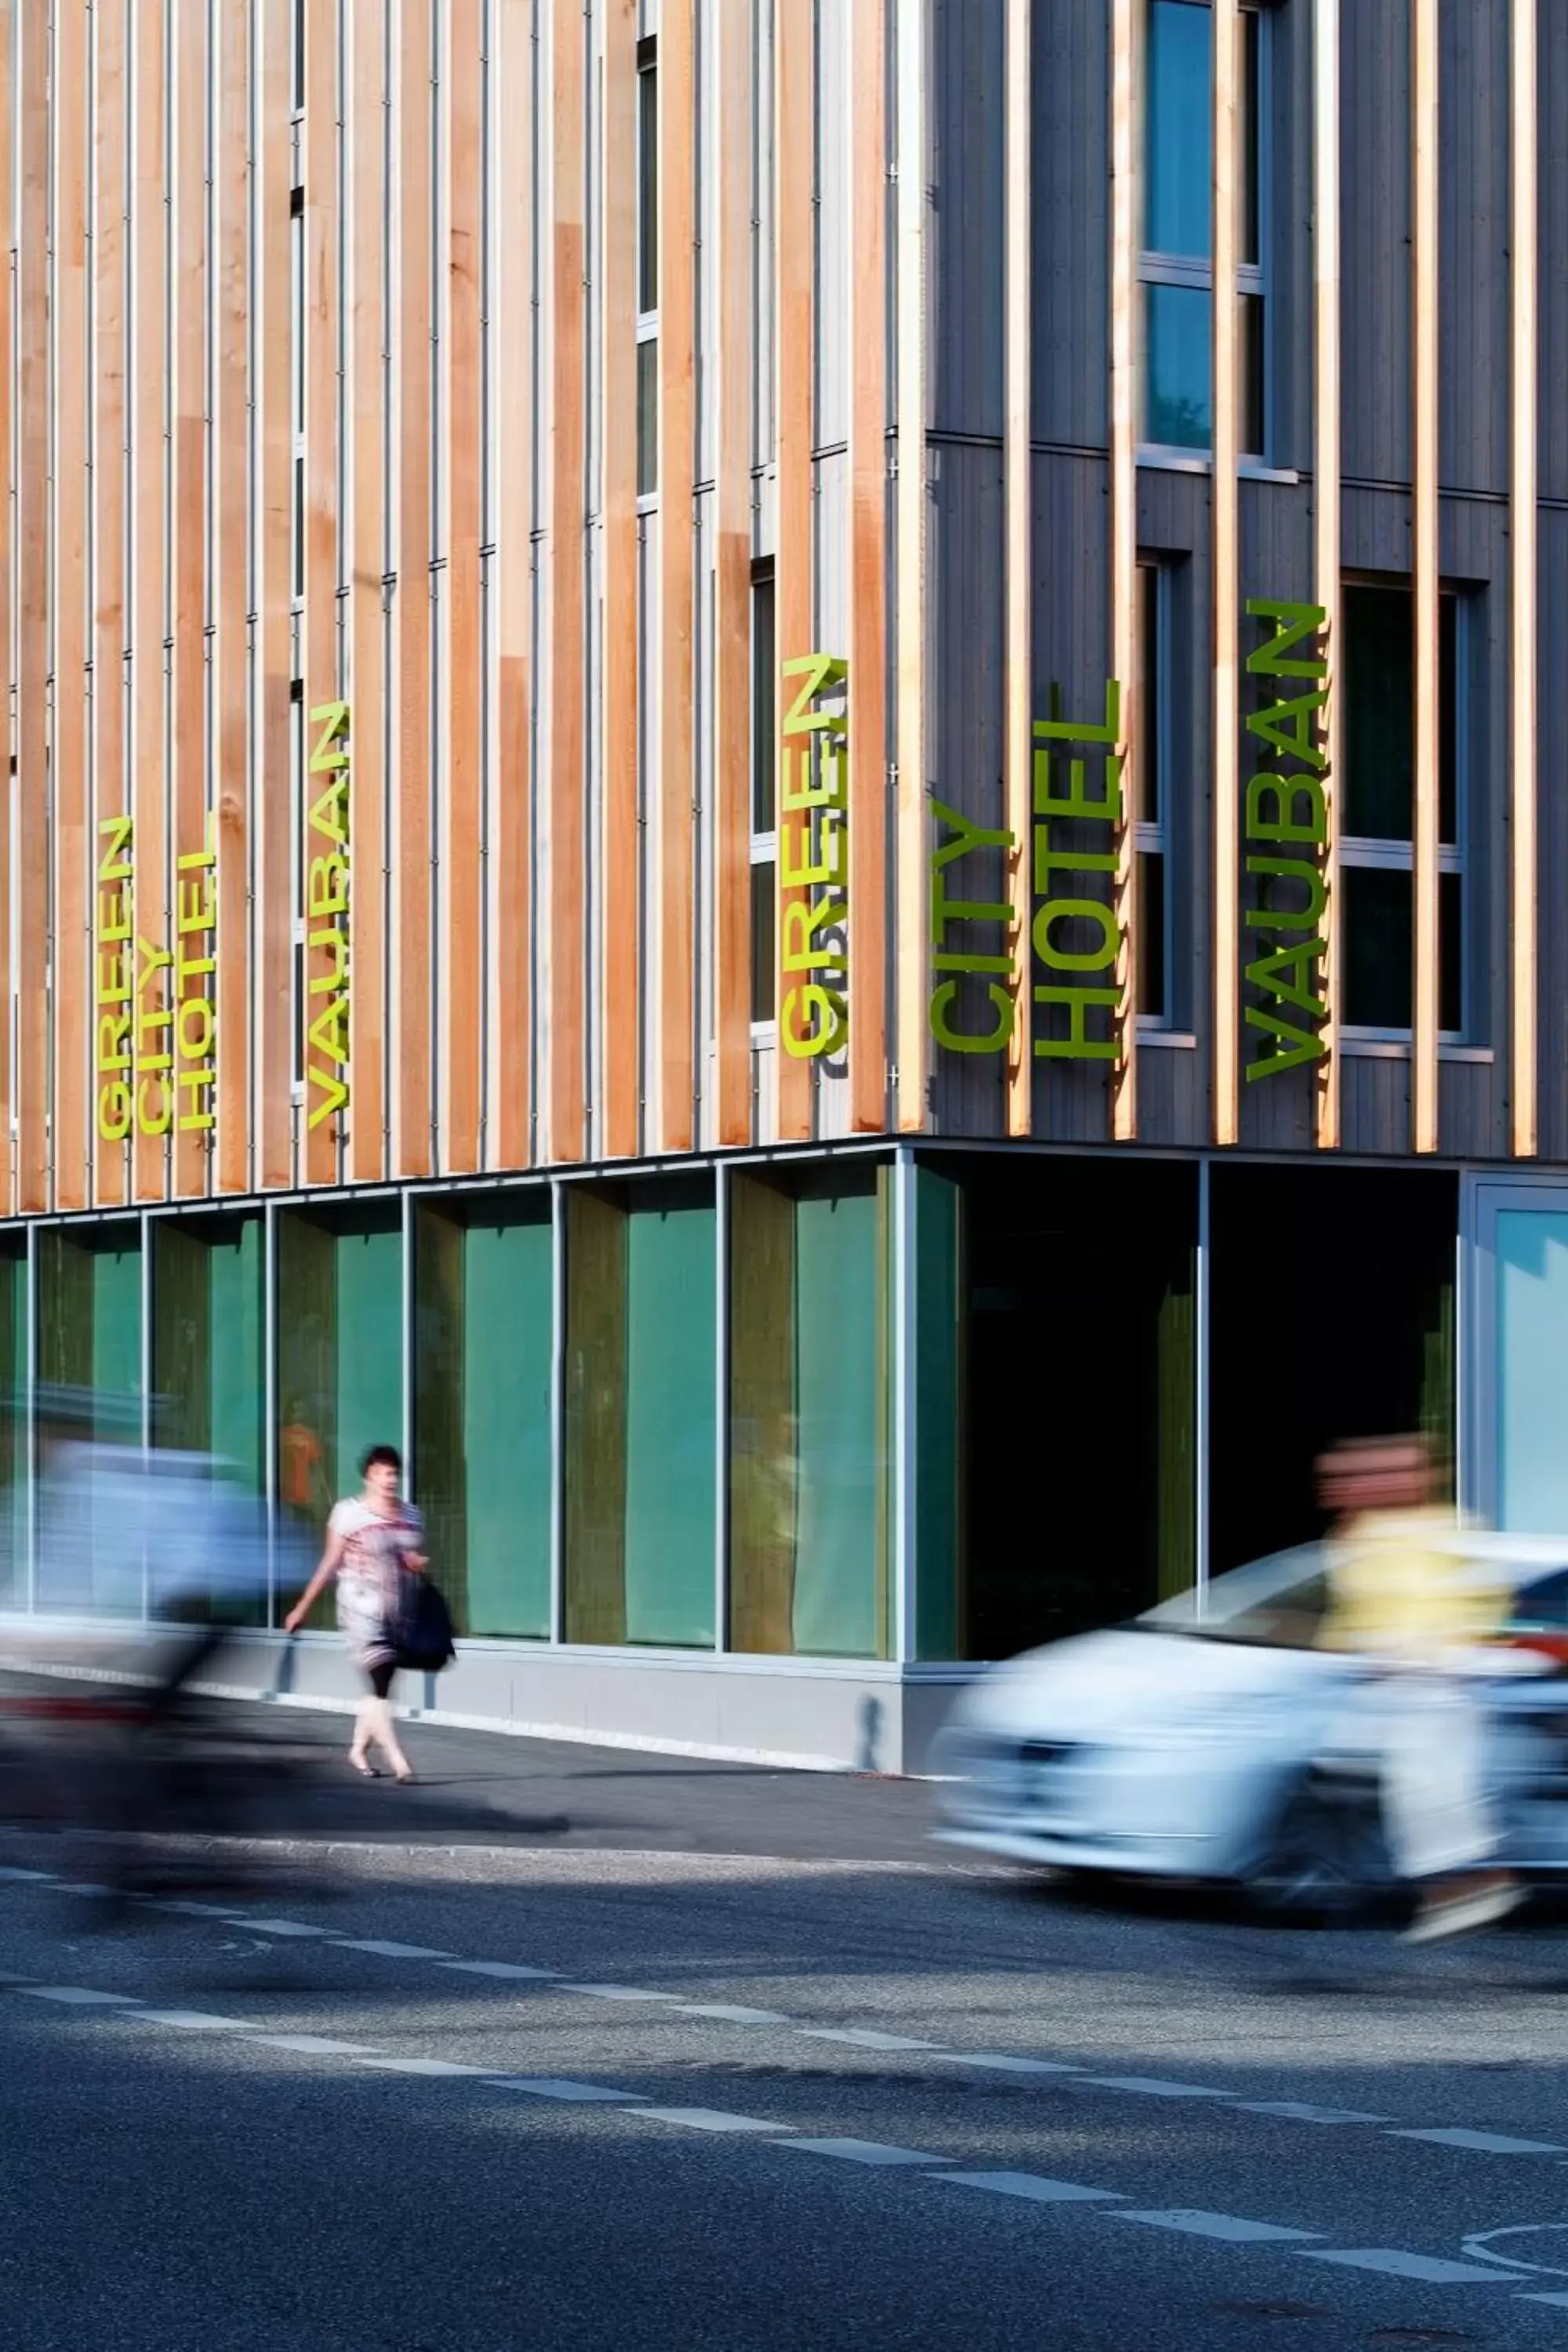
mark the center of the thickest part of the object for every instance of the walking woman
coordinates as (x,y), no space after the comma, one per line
(375,1539)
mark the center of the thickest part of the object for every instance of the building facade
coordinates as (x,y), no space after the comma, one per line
(785,772)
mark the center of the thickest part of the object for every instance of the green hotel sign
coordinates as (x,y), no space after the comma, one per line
(1286,831)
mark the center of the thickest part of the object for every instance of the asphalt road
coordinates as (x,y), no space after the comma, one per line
(573,2048)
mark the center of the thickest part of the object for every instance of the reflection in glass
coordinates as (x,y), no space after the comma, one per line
(1377,712)
(14,1466)
(1250,360)
(764,975)
(648,416)
(1375,945)
(89,1338)
(1178,118)
(1178,408)
(1152,937)
(765,748)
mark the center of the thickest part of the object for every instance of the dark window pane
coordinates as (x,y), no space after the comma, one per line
(647,189)
(647,418)
(763,986)
(764,706)
(1250,361)
(1251,222)
(1451,953)
(1376,686)
(1447,720)
(1148,714)
(1374,930)
(1152,937)
(1177,113)
(298,525)
(1177,409)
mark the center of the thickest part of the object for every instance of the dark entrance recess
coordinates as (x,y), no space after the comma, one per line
(1331,1295)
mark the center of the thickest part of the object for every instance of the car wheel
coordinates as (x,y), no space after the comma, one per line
(1325,1861)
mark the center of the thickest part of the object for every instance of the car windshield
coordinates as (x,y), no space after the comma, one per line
(1278,1601)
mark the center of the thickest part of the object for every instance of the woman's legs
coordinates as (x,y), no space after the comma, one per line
(373,1723)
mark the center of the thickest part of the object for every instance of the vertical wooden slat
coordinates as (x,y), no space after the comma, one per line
(462,929)
(366,122)
(1326,510)
(512,1020)
(32,794)
(192,1101)
(1124,531)
(1523,133)
(732,587)
(676,466)
(231,509)
(568,198)
(323,681)
(150,411)
(795,344)
(73,859)
(273,930)
(620,1011)
(867,572)
(411,813)
(913,953)
(1018,690)
(111,113)
(9,147)
(1226,585)
(1424,332)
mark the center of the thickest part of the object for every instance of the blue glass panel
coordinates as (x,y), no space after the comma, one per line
(1177,406)
(1178,115)
(1532,1370)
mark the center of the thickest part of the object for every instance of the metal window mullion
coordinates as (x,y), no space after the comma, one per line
(905,1434)
(270,1214)
(405,1370)
(144,1231)
(1201,1386)
(30,1415)
(557,1407)
(722,1412)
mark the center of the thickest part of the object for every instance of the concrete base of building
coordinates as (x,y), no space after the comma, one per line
(813,1715)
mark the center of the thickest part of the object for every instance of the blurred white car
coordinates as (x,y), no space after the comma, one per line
(1221,1744)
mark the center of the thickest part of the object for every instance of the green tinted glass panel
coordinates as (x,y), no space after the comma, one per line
(117,1321)
(840,1587)
(13,1431)
(940,1311)
(238,1432)
(370,1346)
(670,1426)
(595,1416)
(507,1353)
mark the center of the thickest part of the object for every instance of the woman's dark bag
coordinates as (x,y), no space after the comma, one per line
(425,1642)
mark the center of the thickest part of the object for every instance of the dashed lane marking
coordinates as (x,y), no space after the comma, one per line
(619,1993)
(280,1926)
(1399,2264)
(79,1996)
(1227,2227)
(190,2021)
(708,2119)
(862,2151)
(733,2013)
(1152,2086)
(1488,2143)
(556,2086)
(1034,2185)
(1302,2111)
(422,2066)
(499,1968)
(382,1949)
(1004,2064)
(862,2037)
(316,2045)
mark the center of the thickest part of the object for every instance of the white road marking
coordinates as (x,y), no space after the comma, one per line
(1227,2227)
(422,2066)
(1152,2085)
(619,1993)
(710,2119)
(79,1996)
(192,1910)
(317,2045)
(9,1872)
(498,1969)
(82,1886)
(552,2086)
(863,2038)
(1032,2185)
(278,1926)
(863,2151)
(1561,2300)
(1003,2064)
(193,2021)
(1412,2266)
(731,2013)
(1301,2111)
(390,1951)
(1489,2143)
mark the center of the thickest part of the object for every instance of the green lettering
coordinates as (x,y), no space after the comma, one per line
(1291,624)
(1288,975)
(1285,793)
(1281,918)
(1305,1045)
(1288,726)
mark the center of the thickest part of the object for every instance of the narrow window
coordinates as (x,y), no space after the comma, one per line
(1151,838)
(647,176)
(764,710)
(297,390)
(1378,781)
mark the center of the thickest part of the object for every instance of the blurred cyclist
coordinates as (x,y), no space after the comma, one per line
(1415,1609)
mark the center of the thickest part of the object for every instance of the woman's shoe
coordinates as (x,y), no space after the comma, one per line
(363,1767)
(406,1776)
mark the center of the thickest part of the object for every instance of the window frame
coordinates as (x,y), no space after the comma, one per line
(1156,751)
(647,244)
(764,843)
(1195,272)
(1366,852)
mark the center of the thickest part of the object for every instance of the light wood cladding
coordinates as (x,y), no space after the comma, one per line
(1326,533)
(795,237)
(231,497)
(868,570)
(190,286)
(272,801)
(30,837)
(912,958)
(1423,338)
(1524,133)
(8,680)
(732,587)
(1017,471)
(150,426)
(620,1007)
(1227,527)
(368,200)
(1124,524)
(461,700)
(676,939)
(511,1010)
(74,860)
(110,1173)
(321,667)
(412,836)
(567,788)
